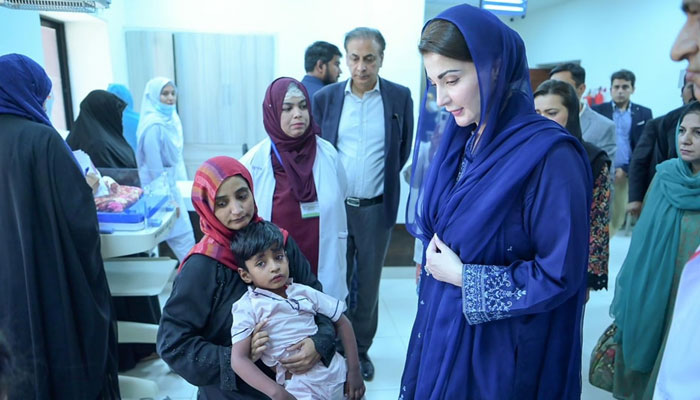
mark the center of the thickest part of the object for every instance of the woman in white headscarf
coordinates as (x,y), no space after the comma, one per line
(159,150)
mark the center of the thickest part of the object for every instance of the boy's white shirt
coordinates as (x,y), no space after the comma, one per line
(290,321)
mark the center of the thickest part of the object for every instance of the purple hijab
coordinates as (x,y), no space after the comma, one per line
(467,213)
(24,86)
(297,154)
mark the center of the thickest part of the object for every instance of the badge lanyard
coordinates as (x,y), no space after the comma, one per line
(277,153)
(308,210)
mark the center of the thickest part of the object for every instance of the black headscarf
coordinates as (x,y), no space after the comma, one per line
(98,131)
(55,306)
(597,156)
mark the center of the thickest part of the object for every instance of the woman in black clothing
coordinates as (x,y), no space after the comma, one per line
(55,306)
(195,331)
(98,131)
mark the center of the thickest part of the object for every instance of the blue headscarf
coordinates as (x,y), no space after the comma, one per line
(130,118)
(467,213)
(24,86)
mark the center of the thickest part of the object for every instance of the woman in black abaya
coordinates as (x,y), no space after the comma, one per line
(55,306)
(98,131)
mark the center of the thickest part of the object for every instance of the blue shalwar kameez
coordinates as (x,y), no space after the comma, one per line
(515,210)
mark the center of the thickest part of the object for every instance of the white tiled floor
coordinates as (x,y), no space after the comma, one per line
(397,310)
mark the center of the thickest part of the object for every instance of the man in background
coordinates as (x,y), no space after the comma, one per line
(322,65)
(370,121)
(630,120)
(596,129)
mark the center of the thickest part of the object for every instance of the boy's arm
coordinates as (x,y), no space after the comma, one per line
(251,374)
(355,386)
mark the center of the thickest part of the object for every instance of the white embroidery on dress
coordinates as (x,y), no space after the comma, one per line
(487,293)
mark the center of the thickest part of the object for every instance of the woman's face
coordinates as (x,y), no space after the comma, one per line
(689,140)
(168,95)
(552,107)
(295,116)
(234,206)
(457,87)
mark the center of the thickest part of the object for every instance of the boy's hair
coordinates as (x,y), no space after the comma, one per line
(255,238)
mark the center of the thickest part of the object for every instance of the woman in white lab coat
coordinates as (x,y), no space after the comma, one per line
(159,149)
(300,183)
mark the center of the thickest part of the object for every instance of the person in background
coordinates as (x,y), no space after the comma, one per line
(98,132)
(630,119)
(657,144)
(369,120)
(595,128)
(322,65)
(194,336)
(558,101)
(300,183)
(55,305)
(666,235)
(502,210)
(130,118)
(160,146)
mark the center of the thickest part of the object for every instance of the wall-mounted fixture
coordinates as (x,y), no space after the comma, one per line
(513,8)
(86,6)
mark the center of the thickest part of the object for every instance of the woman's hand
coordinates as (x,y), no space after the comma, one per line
(258,341)
(302,361)
(355,385)
(442,263)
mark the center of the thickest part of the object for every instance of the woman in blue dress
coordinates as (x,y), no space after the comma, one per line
(502,210)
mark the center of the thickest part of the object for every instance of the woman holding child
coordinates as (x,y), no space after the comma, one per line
(194,337)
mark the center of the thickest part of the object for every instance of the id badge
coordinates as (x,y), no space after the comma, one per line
(310,210)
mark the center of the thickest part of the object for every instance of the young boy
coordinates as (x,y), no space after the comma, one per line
(289,309)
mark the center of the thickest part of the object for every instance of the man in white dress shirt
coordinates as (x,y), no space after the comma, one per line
(370,121)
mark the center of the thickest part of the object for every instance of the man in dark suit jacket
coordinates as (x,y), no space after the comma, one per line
(370,121)
(630,120)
